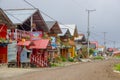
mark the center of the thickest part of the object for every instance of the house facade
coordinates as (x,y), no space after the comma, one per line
(29,32)
(74,33)
(54,30)
(5,24)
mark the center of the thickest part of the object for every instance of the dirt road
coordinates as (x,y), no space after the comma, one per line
(96,70)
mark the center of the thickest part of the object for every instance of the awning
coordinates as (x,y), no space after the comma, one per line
(25,43)
(116,52)
(40,44)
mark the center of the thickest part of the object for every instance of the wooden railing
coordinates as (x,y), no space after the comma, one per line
(38,60)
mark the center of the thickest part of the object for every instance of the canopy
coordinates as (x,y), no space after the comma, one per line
(116,52)
(40,44)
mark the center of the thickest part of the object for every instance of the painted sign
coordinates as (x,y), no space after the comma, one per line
(36,35)
(53,42)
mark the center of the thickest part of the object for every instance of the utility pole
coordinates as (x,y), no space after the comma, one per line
(114,43)
(104,38)
(88,30)
(104,41)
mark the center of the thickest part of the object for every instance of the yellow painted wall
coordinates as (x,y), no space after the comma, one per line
(72,51)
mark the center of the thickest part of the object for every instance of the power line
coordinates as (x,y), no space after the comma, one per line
(109,42)
(46,14)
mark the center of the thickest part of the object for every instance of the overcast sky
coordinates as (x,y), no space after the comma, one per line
(106,18)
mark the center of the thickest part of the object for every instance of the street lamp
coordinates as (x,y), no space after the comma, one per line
(88,29)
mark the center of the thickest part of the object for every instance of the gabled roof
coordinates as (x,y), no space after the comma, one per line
(80,36)
(20,16)
(72,28)
(64,31)
(50,24)
(4,19)
(53,26)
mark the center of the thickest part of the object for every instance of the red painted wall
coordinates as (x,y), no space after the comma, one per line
(3,50)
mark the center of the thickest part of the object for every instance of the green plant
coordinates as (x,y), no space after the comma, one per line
(63,59)
(58,59)
(84,52)
(117,67)
(3,40)
(70,59)
(117,57)
(91,51)
(98,58)
(56,64)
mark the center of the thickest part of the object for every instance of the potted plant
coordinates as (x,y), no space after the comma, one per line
(3,42)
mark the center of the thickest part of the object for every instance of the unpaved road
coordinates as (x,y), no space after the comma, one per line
(96,70)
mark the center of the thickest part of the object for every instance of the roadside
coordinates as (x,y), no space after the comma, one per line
(94,70)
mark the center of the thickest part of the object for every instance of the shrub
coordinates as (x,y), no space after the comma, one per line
(58,59)
(56,64)
(117,57)
(117,67)
(71,59)
(63,59)
(98,58)
(53,64)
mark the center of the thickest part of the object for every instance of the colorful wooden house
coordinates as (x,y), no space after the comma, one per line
(30,29)
(80,41)
(74,33)
(5,23)
(54,30)
(64,37)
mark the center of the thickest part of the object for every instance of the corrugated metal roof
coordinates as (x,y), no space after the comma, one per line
(4,19)
(50,24)
(71,28)
(53,27)
(40,44)
(19,16)
(64,31)
(79,37)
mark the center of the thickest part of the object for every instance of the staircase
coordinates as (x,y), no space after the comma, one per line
(38,60)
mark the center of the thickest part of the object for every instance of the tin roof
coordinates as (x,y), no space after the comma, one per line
(79,37)
(53,27)
(72,28)
(64,31)
(40,44)
(50,24)
(4,19)
(19,16)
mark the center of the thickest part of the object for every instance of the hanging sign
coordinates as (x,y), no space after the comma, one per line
(36,35)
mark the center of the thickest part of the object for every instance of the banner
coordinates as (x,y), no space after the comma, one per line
(36,35)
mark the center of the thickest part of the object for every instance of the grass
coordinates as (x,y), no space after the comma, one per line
(56,64)
(118,57)
(117,67)
(98,58)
